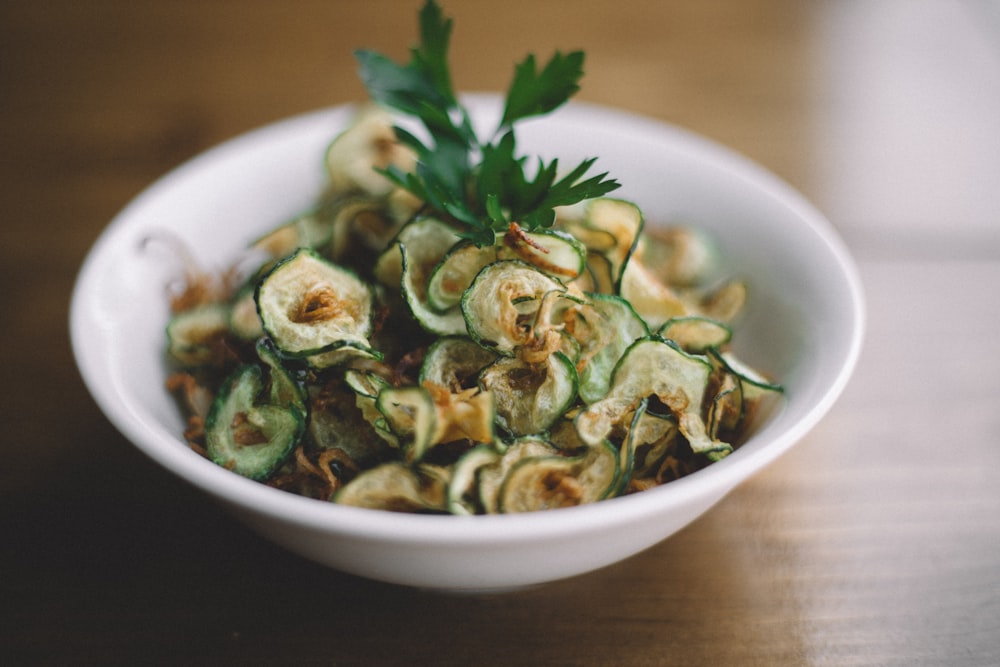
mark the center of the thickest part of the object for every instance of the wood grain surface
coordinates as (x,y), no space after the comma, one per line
(874,542)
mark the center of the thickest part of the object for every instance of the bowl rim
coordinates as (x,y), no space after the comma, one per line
(169,451)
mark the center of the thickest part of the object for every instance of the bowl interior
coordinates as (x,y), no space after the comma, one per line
(804,323)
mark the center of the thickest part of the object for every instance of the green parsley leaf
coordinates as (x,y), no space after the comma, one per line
(432,56)
(482,186)
(493,209)
(534,93)
(422,88)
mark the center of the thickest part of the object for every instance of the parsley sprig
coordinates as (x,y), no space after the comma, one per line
(485,185)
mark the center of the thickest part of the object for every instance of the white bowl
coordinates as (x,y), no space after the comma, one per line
(804,324)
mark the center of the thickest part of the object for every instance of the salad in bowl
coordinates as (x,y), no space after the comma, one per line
(424,339)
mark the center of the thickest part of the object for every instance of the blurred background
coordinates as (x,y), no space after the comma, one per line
(884,113)
(856,92)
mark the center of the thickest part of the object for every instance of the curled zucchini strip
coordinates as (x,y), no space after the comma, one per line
(725,303)
(530,397)
(428,239)
(654,301)
(501,305)
(462,497)
(284,389)
(421,417)
(754,382)
(610,229)
(410,415)
(597,277)
(655,367)
(548,482)
(492,475)
(246,431)
(369,144)
(624,221)
(683,256)
(366,387)
(397,487)
(309,230)
(454,362)
(553,252)
(695,333)
(316,310)
(414,282)
(408,263)
(360,224)
(191,333)
(652,437)
(726,412)
(455,272)
(613,329)
(340,417)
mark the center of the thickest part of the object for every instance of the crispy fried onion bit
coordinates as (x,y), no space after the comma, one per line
(466,414)
(319,478)
(196,286)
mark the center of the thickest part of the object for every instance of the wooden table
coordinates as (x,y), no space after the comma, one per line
(874,542)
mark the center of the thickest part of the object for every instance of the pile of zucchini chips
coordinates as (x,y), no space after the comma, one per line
(403,347)
(378,359)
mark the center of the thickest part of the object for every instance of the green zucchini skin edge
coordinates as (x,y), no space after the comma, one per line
(241,394)
(350,345)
